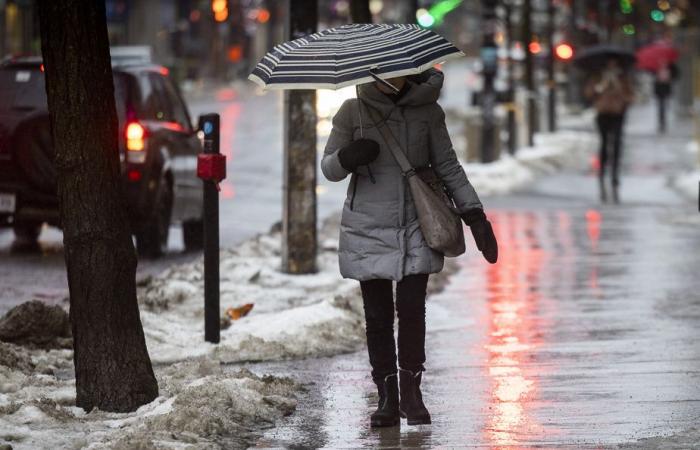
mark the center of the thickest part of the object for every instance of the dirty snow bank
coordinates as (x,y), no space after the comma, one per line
(293,315)
(199,407)
(551,152)
(686,183)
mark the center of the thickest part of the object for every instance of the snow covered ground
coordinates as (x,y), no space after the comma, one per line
(198,407)
(686,183)
(552,152)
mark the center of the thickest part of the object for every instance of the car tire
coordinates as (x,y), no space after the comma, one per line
(26,237)
(152,239)
(193,234)
(35,154)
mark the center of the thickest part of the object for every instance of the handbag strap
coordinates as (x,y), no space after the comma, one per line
(399,155)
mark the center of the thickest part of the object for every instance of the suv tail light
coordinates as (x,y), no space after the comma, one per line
(135,142)
(134,137)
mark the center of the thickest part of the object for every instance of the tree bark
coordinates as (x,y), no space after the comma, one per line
(299,209)
(112,368)
(359,11)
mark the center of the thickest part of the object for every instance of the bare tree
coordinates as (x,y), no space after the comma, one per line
(112,369)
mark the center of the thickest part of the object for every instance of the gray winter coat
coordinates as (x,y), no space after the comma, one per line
(379,232)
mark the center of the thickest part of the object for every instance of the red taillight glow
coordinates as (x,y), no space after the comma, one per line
(41,68)
(134,175)
(164,71)
(135,133)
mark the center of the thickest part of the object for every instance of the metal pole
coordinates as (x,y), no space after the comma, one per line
(551,81)
(209,124)
(489,58)
(299,208)
(529,75)
(512,126)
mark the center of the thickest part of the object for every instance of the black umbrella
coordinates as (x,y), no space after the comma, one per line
(597,56)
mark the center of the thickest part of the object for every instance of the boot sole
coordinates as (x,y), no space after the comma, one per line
(421,420)
(385,423)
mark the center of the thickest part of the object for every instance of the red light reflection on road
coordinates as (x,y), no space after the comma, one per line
(593,222)
(514,330)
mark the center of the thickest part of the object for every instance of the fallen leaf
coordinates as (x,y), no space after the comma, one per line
(240,311)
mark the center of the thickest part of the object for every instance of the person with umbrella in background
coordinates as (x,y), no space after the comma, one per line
(659,59)
(381,240)
(610,91)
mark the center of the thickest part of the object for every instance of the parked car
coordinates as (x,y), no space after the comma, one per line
(158,149)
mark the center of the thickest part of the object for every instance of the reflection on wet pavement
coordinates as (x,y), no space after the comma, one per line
(567,340)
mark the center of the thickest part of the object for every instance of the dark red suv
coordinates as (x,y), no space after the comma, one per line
(158,150)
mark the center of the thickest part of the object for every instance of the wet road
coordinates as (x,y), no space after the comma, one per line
(585,334)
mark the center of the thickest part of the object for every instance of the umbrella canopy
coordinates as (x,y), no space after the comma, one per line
(350,55)
(597,56)
(655,56)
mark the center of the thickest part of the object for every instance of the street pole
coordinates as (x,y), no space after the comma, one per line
(359,11)
(489,59)
(512,127)
(551,80)
(209,124)
(299,208)
(529,75)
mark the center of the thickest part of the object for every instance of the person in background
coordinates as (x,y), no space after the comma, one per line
(611,92)
(663,78)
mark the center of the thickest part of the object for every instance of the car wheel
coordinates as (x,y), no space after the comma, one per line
(26,237)
(193,234)
(152,240)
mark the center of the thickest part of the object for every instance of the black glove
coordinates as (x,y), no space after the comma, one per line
(358,153)
(483,233)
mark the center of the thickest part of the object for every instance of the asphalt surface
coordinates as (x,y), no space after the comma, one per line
(585,334)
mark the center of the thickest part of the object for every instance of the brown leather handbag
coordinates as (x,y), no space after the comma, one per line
(438,218)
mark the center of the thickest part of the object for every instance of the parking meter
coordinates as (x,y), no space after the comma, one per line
(211,168)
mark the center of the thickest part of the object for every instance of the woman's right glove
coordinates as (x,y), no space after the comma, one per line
(483,233)
(358,153)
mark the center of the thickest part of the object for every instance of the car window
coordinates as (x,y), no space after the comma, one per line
(151,104)
(178,108)
(22,88)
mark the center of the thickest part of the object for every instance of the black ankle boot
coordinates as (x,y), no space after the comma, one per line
(411,405)
(387,413)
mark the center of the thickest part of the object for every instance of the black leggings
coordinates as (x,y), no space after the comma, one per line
(610,127)
(378,301)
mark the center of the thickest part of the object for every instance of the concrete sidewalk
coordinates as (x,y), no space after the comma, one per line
(585,334)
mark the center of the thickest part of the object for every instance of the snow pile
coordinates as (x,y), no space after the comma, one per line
(293,315)
(686,183)
(552,152)
(200,405)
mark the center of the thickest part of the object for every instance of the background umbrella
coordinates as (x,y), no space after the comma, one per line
(597,56)
(343,56)
(653,57)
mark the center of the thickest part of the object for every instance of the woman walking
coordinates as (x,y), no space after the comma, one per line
(611,93)
(380,238)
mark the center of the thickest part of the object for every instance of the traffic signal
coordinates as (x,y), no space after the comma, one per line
(220,10)
(534,47)
(564,51)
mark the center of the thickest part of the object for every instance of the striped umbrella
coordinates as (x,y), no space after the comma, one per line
(350,55)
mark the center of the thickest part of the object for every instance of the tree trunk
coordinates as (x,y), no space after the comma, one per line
(112,369)
(359,11)
(299,209)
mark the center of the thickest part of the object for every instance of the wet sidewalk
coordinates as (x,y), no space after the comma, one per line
(585,334)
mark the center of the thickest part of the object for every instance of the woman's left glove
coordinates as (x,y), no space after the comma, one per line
(483,233)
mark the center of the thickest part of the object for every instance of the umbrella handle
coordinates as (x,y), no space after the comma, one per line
(383,82)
